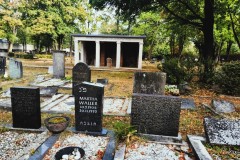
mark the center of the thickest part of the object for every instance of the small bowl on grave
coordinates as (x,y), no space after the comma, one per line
(75,153)
(57,124)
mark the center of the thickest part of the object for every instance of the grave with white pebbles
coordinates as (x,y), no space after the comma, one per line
(17,145)
(93,146)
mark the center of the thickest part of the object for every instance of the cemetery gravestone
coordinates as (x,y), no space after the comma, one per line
(102,81)
(58,64)
(156,114)
(26,107)
(222,132)
(222,106)
(149,82)
(15,69)
(2,65)
(88,107)
(80,73)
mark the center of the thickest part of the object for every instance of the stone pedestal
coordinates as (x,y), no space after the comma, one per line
(58,64)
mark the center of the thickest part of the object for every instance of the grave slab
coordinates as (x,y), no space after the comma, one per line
(103,81)
(156,114)
(222,106)
(222,131)
(48,91)
(15,69)
(188,103)
(58,64)
(199,149)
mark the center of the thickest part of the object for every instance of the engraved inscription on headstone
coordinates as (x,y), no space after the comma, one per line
(156,114)
(222,131)
(15,69)
(2,65)
(80,73)
(26,107)
(149,82)
(58,64)
(88,107)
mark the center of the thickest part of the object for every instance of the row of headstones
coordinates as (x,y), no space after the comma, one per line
(26,111)
(15,68)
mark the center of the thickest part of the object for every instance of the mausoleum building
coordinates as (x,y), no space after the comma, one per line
(119,50)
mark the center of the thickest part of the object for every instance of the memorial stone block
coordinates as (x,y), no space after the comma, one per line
(15,69)
(89,107)
(58,64)
(80,73)
(222,131)
(26,107)
(156,114)
(149,82)
(2,65)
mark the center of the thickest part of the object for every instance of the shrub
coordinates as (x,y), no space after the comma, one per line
(123,131)
(11,54)
(227,77)
(175,74)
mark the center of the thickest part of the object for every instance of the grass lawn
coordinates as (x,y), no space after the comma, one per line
(121,85)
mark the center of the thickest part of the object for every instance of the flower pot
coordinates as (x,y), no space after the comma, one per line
(57,124)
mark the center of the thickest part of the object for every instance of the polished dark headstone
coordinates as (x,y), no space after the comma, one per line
(88,107)
(26,107)
(2,65)
(149,82)
(222,131)
(156,114)
(80,73)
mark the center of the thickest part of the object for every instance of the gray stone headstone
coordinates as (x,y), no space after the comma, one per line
(48,91)
(222,106)
(58,64)
(50,69)
(89,107)
(222,131)
(15,69)
(80,73)
(26,107)
(2,65)
(156,114)
(149,82)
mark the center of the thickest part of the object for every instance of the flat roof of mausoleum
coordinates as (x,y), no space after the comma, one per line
(108,36)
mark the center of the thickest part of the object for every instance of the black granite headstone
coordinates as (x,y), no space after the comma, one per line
(2,65)
(156,114)
(80,73)
(26,107)
(149,82)
(89,107)
(222,131)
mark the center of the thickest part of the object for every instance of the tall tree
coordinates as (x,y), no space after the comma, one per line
(197,13)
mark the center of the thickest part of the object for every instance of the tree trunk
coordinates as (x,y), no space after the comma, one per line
(234,31)
(10,46)
(208,50)
(229,45)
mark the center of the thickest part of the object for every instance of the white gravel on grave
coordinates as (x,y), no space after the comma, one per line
(19,146)
(90,144)
(149,151)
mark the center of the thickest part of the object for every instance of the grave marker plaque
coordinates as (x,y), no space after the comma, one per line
(80,73)
(222,131)
(149,82)
(15,69)
(26,107)
(58,64)
(89,107)
(2,65)
(156,114)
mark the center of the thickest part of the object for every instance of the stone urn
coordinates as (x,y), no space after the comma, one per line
(57,124)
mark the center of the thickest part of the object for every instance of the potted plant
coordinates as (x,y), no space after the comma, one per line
(57,124)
